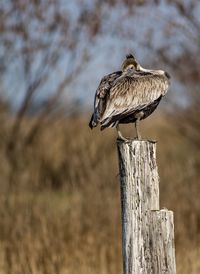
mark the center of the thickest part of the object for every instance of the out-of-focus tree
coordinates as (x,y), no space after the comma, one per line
(44,44)
(185,66)
(36,36)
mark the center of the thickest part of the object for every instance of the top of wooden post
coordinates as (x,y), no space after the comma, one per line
(139,173)
(130,141)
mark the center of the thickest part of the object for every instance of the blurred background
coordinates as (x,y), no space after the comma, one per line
(59,185)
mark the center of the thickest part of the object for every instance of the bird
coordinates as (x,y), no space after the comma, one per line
(128,96)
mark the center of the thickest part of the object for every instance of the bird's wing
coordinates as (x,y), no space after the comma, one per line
(101,95)
(130,94)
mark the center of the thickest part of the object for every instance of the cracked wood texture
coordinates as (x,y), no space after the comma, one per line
(147,232)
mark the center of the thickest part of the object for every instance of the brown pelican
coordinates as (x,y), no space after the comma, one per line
(128,96)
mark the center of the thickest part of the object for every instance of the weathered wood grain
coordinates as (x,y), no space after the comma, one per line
(161,234)
(147,233)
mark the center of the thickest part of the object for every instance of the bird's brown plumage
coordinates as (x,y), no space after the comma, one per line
(125,96)
(101,97)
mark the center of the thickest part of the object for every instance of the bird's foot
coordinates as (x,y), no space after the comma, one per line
(123,139)
(120,136)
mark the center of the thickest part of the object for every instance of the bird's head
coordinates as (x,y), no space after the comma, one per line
(130,63)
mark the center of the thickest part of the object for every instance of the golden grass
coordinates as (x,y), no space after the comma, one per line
(61,214)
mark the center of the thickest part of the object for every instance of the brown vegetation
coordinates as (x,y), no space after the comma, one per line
(60,213)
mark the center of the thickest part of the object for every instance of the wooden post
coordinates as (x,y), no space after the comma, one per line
(147,232)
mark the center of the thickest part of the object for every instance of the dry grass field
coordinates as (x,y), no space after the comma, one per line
(59,198)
